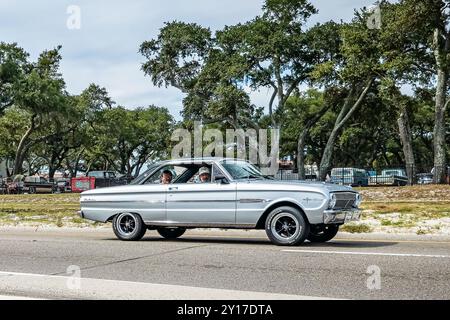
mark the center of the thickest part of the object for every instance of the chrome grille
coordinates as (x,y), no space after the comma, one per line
(345,200)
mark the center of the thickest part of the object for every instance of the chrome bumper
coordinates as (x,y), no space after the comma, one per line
(341,216)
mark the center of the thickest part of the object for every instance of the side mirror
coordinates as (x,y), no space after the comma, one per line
(221,179)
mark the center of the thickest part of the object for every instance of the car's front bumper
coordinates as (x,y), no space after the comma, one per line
(341,216)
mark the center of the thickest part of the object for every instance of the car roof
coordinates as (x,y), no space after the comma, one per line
(205,159)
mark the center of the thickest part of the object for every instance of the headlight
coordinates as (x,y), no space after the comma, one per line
(332,202)
(358,200)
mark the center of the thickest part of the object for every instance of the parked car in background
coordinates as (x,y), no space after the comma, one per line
(63,185)
(235,195)
(424,178)
(391,177)
(15,184)
(350,176)
(36,184)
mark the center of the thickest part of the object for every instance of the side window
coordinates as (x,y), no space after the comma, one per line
(111,175)
(216,172)
(166,175)
(202,174)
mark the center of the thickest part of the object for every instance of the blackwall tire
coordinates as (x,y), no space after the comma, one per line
(171,233)
(322,233)
(129,226)
(286,226)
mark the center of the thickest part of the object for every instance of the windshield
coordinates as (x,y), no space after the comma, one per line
(142,177)
(242,170)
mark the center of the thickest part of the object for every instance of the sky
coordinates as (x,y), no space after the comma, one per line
(103,47)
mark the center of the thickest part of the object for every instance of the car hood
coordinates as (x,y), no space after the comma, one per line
(321,186)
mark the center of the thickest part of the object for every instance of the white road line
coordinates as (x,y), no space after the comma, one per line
(370,253)
(56,287)
(2,297)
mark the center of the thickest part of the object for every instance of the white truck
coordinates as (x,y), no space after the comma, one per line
(390,177)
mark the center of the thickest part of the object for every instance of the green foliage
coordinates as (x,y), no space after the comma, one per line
(338,85)
(127,139)
(13,63)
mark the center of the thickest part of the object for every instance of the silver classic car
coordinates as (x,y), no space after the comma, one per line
(175,195)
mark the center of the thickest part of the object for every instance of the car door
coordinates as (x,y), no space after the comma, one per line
(212,203)
(149,201)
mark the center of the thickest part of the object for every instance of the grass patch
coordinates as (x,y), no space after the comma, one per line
(429,210)
(52,209)
(356,228)
(398,224)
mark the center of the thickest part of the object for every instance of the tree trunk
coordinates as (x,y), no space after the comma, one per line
(441,49)
(325,163)
(8,173)
(69,167)
(404,129)
(302,139)
(51,172)
(345,114)
(21,149)
(77,161)
(301,154)
(439,128)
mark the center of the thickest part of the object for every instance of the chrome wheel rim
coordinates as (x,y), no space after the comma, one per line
(285,226)
(126,224)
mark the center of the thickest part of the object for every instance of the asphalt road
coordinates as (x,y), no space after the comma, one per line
(218,264)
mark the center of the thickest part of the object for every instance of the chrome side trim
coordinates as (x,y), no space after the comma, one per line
(200,201)
(126,201)
(254,200)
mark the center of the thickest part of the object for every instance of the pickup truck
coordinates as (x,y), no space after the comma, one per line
(390,177)
(34,184)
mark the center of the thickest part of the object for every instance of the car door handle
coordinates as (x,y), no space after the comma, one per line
(173,188)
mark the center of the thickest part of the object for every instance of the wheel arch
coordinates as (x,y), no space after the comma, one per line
(282,203)
(111,218)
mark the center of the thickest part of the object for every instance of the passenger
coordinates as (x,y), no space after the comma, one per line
(204,175)
(166,177)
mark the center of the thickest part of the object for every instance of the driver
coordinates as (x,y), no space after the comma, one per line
(166,177)
(204,174)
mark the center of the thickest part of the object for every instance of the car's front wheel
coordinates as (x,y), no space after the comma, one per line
(128,226)
(171,233)
(322,233)
(286,226)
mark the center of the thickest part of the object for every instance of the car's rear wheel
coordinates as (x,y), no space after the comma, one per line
(128,226)
(286,226)
(171,233)
(322,233)
(32,190)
